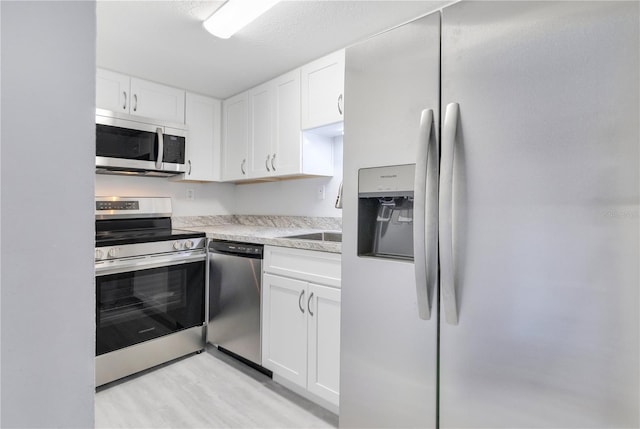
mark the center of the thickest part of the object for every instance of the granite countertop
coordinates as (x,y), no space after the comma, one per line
(266,230)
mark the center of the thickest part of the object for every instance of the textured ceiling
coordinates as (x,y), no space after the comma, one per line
(164,41)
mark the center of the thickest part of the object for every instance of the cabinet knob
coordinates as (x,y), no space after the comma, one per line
(242,166)
(124,103)
(266,163)
(340,104)
(135,102)
(189,172)
(273,166)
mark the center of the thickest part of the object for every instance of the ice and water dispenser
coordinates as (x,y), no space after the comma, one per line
(385,212)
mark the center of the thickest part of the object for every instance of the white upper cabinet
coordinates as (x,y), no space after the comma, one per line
(286,148)
(235,137)
(202,117)
(152,100)
(275,146)
(323,91)
(121,93)
(260,130)
(112,91)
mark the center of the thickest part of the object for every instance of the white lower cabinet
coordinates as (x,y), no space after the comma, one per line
(301,320)
(323,342)
(284,339)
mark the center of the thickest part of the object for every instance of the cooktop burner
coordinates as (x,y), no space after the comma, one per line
(116,238)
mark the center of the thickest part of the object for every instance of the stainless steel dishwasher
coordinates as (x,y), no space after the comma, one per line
(235,286)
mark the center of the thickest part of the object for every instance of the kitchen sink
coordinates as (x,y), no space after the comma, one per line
(318,236)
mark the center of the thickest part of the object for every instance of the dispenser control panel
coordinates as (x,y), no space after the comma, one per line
(393,180)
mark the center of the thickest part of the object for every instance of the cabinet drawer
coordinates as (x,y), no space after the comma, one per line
(318,267)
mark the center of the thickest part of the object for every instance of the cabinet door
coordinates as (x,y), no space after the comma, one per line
(112,91)
(260,131)
(286,156)
(235,137)
(323,308)
(284,328)
(202,116)
(322,91)
(152,100)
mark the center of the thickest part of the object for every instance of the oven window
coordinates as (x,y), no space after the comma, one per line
(136,306)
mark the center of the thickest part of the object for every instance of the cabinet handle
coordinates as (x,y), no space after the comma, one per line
(273,167)
(309,304)
(242,166)
(135,102)
(300,300)
(124,105)
(266,163)
(340,104)
(189,162)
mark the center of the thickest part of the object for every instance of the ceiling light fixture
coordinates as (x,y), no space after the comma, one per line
(234,15)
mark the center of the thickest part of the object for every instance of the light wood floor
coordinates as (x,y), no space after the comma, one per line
(207,390)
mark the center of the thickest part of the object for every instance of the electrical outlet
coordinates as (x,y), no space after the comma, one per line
(321,192)
(191,194)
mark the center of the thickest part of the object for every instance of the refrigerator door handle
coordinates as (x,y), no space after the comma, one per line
(425,215)
(447,284)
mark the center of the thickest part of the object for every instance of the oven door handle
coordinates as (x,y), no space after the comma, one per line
(146,262)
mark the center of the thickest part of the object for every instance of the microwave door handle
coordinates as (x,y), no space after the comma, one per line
(160,148)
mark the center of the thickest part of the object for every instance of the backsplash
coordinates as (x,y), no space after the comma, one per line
(324,223)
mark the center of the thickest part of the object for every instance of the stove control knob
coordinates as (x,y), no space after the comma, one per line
(99,254)
(113,252)
(177,245)
(188,244)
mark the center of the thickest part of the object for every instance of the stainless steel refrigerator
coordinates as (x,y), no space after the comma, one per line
(518,304)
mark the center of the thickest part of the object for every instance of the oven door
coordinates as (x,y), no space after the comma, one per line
(145,298)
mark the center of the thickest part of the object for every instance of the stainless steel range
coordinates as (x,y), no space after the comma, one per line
(150,290)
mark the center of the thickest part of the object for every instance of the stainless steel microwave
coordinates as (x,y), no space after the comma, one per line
(127,144)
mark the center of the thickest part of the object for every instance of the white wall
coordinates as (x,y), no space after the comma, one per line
(297,197)
(288,198)
(209,198)
(47,185)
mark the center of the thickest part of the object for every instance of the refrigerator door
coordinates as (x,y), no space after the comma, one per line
(545,215)
(388,353)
